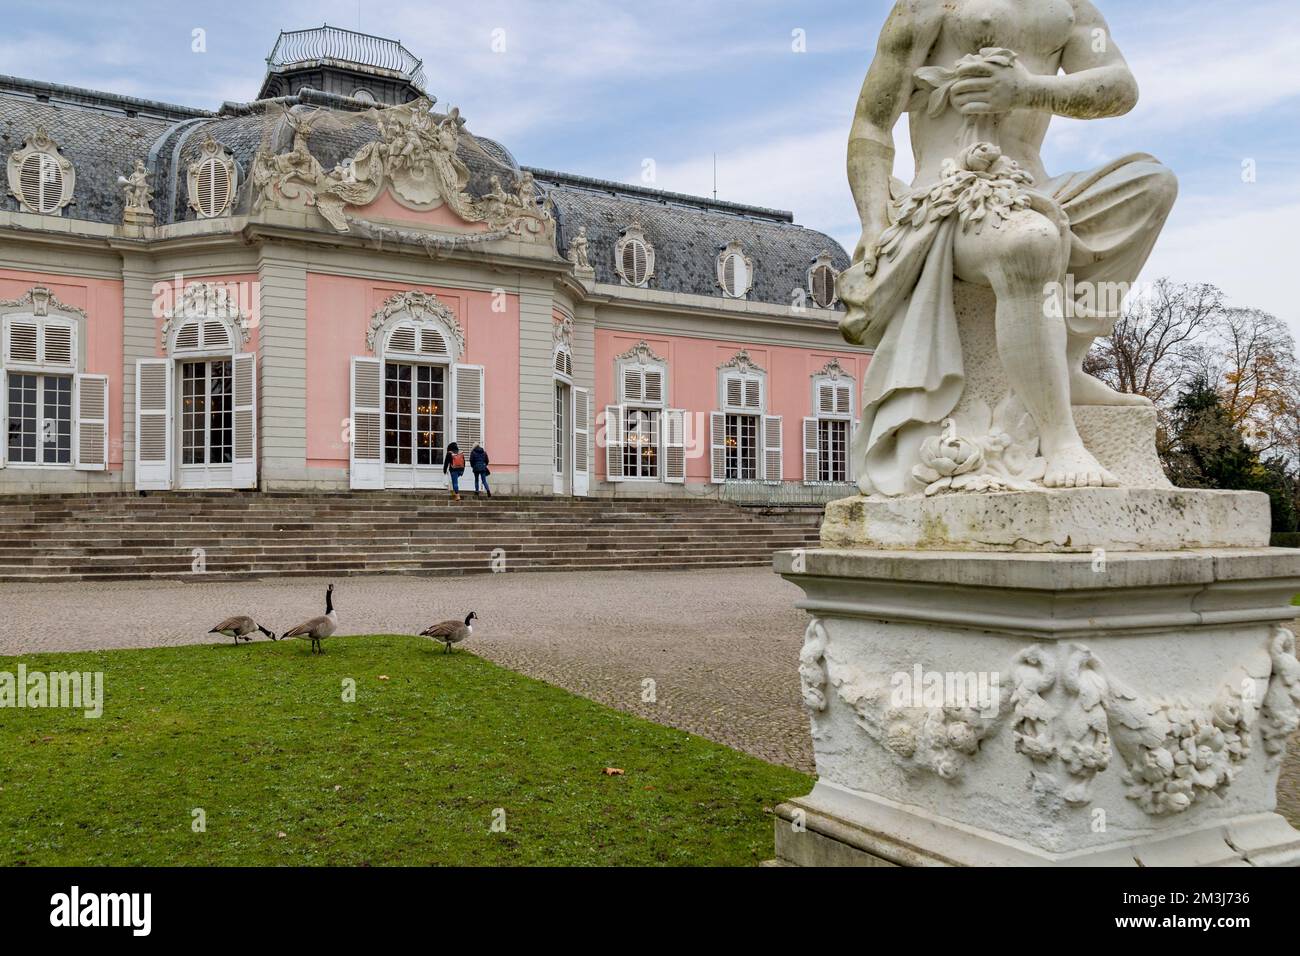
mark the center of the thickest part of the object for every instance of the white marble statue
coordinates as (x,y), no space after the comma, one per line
(139,194)
(981,80)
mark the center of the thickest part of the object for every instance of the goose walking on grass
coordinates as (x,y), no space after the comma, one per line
(318,628)
(240,627)
(451,632)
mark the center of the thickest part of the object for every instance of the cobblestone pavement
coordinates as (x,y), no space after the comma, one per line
(721,646)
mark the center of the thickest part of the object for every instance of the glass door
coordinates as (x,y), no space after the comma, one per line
(206,424)
(562,438)
(415,437)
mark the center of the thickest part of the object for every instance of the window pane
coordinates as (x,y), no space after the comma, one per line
(56,420)
(22,419)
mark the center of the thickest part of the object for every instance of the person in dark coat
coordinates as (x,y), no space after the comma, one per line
(478,463)
(453,463)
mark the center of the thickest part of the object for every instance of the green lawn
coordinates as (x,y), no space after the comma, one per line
(258,736)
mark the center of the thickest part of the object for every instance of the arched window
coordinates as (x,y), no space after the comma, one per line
(412,396)
(55,416)
(196,409)
(645,438)
(828,431)
(745,443)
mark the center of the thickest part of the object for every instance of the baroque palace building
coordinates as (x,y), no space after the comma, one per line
(321,288)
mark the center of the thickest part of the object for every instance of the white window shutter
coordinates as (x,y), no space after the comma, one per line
(811,471)
(366,450)
(753,394)
(245,438)
(22,341)
(90,427)
(153,424)
(653,386)
(843,400)
(772,448)
(717,447)
(467,393)
(674,455)
(735,392)
(4,415)
(581,442)
(633,386)
(614,442)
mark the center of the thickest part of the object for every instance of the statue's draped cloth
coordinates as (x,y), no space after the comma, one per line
(906,312)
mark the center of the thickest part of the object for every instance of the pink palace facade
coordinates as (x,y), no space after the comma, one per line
(321,288)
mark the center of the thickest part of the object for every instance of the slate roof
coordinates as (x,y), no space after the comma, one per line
(687,233)
(104,134)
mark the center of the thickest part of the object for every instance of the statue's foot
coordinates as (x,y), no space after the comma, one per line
(1074,467)
(1086,390)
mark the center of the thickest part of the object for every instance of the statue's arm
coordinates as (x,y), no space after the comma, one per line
(1096,81)
(903,46)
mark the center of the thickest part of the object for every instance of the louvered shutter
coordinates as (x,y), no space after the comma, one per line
(58,344)
(581,442)
(843,400)
(153,420)
(811,471)
(674,456)
(735,392)
(245,438)
(467,392)
(90,428)
(729,275)
(633,386)
(826,399)
(40,179)
(653,380)
(366,450)
(614,442)
(4,415)
(22,341)
(213,188)
(753,394)
(772,448)
(717,447)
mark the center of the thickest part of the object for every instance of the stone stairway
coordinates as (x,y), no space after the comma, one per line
(236,535)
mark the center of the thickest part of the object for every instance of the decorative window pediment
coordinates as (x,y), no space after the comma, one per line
(206,318)
(40,331)
(642,376)
(742,385)
(40,178)
(213,179)
(735,271)
(822,282)
(634,256)
(416,324)
(832,392)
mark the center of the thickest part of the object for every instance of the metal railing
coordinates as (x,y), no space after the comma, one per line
(784,494)
(336,43)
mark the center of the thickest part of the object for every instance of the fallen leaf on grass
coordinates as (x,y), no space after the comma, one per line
(383,677)
(612,772)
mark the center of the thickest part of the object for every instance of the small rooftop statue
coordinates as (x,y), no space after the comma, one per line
(139,196)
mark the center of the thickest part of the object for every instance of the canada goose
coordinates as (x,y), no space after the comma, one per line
(318,628)
(239,627)
(451,632)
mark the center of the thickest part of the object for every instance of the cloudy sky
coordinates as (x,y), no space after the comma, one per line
(600,88)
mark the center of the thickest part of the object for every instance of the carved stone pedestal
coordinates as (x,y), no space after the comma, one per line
(968,708)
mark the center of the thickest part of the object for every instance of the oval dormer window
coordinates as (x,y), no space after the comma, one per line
(212,187)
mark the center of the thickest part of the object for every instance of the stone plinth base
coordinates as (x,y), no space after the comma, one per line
(1074,520)
(1005,709)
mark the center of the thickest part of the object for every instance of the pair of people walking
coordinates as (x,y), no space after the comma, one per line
(453,464)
